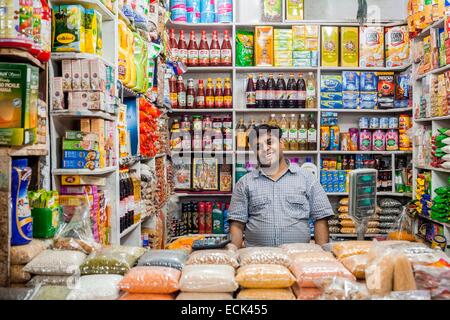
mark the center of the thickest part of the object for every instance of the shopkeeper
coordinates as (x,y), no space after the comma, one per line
(272,205)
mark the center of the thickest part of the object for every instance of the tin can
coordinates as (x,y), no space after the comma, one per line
(374,123)
(384,123)
(393,123)
(345,141)
(364,123)
(354,138)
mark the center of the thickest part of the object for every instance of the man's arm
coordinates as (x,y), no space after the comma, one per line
(237,233)
(321,232)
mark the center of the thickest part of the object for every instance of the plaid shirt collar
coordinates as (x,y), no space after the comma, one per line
(291,168)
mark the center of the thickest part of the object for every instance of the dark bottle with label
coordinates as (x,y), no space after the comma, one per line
(260,92)
(301,87)
(292,94)
(281,93)
(250,93)
(271,93)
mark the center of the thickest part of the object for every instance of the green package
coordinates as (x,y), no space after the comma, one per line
(244,48)
(444,131)
(272,11)
(69,33)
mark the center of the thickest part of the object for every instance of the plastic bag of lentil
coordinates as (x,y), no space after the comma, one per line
(204,296)
(18,275)
(97,287)
(53,281)
(164,258)
(266,294)
(52,293)
(208,278)
(263,255)
(17,293)
(225,257)
(295,248)
(108,261)
(146,296)
(161,280)
(26,253)
(264,276)
(56,263)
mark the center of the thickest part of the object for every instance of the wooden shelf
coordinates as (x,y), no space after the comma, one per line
(21,56)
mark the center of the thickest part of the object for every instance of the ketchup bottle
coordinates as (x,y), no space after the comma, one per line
(214,51)
(193,51)
(209,98)
(173,44)
(200,100)
(225,51)
(181,91)
(218,96)
(173,92)
(190,95)
(203,52)
(182,49)
(227,94)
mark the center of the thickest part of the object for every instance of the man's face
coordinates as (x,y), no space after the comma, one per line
(268,150)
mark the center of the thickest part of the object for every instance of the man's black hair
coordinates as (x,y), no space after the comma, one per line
(257,131)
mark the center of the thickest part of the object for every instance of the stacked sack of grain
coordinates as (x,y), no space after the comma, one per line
(264,274)
(348,226)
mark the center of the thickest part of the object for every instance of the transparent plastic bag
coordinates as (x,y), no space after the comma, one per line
(56,263)
(108,261)
(18,275)
(204,296)
(407,295)
(161,280)
(312,257)
(345,249)
(306,293)
(164,258)
(263,255)
(391,211)
(52,281)
(208,278)
(26,253)
(52,293)
(404,229)
(75,231)
(431,276)
(18,293)
(97,287)
(295,248)
(356,265)
(264,276)
(226,257)
(136,252)
(266,294)
(380,270)
(146,296)
(338,288)
(403,274)
(389,203)
(309,274)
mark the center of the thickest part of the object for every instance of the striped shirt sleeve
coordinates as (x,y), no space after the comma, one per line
(238,210)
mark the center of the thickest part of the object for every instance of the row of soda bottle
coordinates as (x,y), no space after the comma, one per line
(218,96)
(26,25)
(297,93)
(202,218)
(202,54)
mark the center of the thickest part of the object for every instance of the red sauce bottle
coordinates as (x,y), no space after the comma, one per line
(200,100)
(225,51)
(181,91)
(190,95)
(173,92)
(193,51)
(227,94)
(209,98)
(182,49)
(173,44)
(214,50)
(218,96)
(203,51)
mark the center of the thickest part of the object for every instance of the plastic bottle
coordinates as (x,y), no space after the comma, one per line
(284,126)
(182,49)
(178,10)
(209,98)
(193,60)
(217,219)
(227,94)
(273,120)
(292,94)
(301,86)
(203,51)
(200,100)
(311,91)
(311,167)
(218,95)
(214,50)
(225,51)
(260,92)
(303,133)
(241,135)
(21,220)
(181,91)
(190,95)
(250,93)
(172,43)
(271,92)
(293,133)
(281,93)
(312,134)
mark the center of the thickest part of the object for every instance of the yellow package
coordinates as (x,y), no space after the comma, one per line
(330,46)
(294,10)
(264,276)
(371,47)
(299,38)
(312,31)
(397,46)
(349,46)
(312,44)
(90,29)
(428,12)
(99,46)
(264,46)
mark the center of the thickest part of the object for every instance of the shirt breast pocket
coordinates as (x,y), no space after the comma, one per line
(298,206)
(258,204)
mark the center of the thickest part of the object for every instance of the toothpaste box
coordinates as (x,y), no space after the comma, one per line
(331,96)
(80,145)
(331,104)
(81,155)
(331,83)
(368,82)
(350,81)
(80,164)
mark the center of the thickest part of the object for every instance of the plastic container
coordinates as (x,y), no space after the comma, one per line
(22,222)
(178,10)
(224,11)
(45,222)
(193,11)
(15,32)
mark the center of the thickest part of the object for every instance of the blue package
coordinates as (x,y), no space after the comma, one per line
(80,164)
(331,104)
(81,155)
(323,178)
(331,83)
(314,58)
(21,219)
(368,82)
(334,140)
(341,187)
(351,104)
(330,96)
(401,104)
(350,96)
(369,96)
(350,81)
(368,105)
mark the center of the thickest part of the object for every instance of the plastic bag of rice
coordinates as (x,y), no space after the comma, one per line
(208,278)
(97,287)
(146,296)
(53,281)
(164,258)
(52,293)
(263,255)
(26,253)
(226,257)
(204,296)
(294,248)
(56,263)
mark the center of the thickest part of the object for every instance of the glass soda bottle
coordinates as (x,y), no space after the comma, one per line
(292,95)
(173,44)
(301,87)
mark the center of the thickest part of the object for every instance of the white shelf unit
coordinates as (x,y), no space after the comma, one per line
(246,17)
(439,176)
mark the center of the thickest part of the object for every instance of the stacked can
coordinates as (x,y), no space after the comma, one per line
(224,11)
(178,10)
(193,11)
(207,11)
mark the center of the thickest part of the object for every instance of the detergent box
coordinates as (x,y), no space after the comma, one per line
(371,47)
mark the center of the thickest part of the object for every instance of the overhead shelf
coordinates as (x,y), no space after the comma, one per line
(84,172)
(25,151)
(398,110)
(198,26)
(435,71)
(210,69)
(107,15)
(57,56)
(433,169)
(433,119)
(374,69)
(276,69)
(83,114)
(17,55)
(130,229)
(201,110)
(280,110)
(349,23)
(366,152)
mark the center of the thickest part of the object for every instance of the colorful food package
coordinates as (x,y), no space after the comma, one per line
(208,278)
(263,255)
(397,46)
(213,256)
(349,46)
(164,258)
(162,280)
(69,32)
(371,48)
(386,90)
(244,48)
(56,263)
(330,46)
(272,10)
(350,248)
(294,10)
(380,271)
(146,296)
(264,276)
(356,265)
(264,55)
(311,274)
(266,294)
